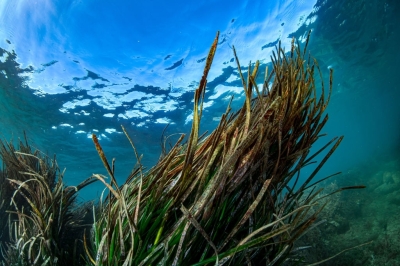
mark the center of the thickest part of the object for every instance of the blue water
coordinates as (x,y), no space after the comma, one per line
(70,70)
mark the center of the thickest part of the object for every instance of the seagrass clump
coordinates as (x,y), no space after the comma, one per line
(42,224)
(13,166)
(225,198)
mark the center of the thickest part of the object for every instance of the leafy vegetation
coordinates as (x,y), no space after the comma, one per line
(41,223)
(234,196)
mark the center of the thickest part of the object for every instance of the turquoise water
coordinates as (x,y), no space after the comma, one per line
(60,86)
(80,69)
(70,70)
(67,71)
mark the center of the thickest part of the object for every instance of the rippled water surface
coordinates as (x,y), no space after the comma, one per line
(70,70)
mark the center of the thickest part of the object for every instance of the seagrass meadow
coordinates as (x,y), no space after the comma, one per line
(231,197)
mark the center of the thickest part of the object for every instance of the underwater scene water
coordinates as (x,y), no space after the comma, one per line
(70,69)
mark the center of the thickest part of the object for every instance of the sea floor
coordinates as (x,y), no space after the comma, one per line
(356,217)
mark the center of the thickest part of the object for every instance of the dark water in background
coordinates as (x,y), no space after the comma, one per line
(359,39)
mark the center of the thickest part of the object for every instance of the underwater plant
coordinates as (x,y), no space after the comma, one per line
(44,225)
(233,196)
